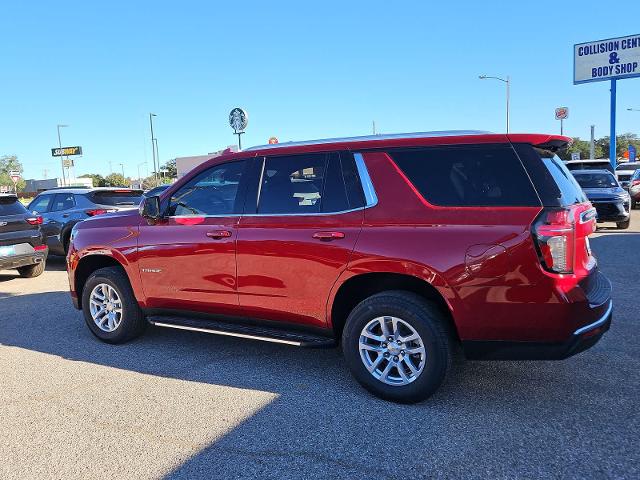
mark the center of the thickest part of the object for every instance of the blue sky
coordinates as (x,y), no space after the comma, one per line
(301,69)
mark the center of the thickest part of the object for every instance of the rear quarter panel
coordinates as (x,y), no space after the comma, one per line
(506,296)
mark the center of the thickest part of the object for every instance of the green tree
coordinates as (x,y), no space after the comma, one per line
(9,163)
(171,169)
(583,148)
(622,144)
(116,180)
(97,179)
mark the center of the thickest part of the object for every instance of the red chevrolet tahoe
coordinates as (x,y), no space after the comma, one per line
(398,247)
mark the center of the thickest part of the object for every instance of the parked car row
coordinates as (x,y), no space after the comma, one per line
(28,235)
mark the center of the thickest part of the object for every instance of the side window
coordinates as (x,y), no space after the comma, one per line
(352,180)
(62,201)
(213,192)
(483,175)
(292,184)
(40,204)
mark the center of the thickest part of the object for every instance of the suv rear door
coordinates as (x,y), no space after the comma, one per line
(297,234)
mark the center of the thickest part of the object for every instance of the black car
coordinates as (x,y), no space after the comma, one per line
(157,190)
(611,201)
(62,208)
(22,244)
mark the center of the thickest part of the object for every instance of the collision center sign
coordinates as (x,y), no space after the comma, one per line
(606,59)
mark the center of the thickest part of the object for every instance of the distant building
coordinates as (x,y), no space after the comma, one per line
(37,186)
(185,164)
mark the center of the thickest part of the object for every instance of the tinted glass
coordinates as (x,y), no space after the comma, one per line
(487,175)
(352,181)
(293,184)
(213,192)
(62,201)
(40,204)
(595,180)
(117,198)
(554,183)
(334,197)
(11,206)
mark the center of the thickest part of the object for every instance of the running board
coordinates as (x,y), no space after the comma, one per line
(251,332)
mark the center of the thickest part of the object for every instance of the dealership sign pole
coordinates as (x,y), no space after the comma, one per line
(612,59)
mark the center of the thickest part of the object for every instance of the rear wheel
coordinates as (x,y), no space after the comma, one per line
(396,345)
(633,204)
(31,271)
(623,225)
(110,308)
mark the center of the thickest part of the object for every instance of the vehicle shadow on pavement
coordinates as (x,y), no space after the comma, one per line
(503,419)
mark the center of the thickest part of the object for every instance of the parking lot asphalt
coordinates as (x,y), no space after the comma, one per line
(186,405)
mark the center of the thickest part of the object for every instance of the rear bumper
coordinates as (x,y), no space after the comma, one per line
(582,339)
(17,261)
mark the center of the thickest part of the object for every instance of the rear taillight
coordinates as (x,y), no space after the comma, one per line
(97,211)
(39,248)
(561,237)
(635,182)
(34,220)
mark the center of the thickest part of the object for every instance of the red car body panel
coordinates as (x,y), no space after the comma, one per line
(482,260)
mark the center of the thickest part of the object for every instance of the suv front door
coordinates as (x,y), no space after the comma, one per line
(187,260)
(296,237)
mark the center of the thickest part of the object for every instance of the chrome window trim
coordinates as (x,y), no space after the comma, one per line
(366,138)
(597,323)
(371,199)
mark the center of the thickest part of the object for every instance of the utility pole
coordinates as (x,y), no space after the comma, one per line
(61,159)
(592,143)
(153,146)
(374,127)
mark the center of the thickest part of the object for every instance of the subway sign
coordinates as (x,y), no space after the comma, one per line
(66,151)
(610,59)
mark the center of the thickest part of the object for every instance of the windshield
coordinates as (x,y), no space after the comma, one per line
(628,166)
(596,180)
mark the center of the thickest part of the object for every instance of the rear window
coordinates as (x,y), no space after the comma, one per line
(553,181)
(11,206)
(468,176)
(117,198)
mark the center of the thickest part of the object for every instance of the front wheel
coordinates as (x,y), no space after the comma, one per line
(110,308)
(623,225)
(396,345)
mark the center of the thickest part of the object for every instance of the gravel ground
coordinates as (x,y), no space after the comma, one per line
(185,405)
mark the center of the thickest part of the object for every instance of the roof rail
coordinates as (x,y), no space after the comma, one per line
(367,138)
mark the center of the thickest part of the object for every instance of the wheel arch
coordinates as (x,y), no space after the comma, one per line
(357,287)
(89,264)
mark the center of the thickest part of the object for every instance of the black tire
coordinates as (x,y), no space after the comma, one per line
(425,318)
(623,225)
(31,271)
(132,323)
(634,204)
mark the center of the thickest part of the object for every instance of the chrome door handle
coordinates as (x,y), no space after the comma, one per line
(328,235)
(218,234)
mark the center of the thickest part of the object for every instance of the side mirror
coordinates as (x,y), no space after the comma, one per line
(150,208)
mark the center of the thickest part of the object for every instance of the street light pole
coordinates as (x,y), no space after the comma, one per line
(155,141)
(60,146)
(507,81)
(153,146)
